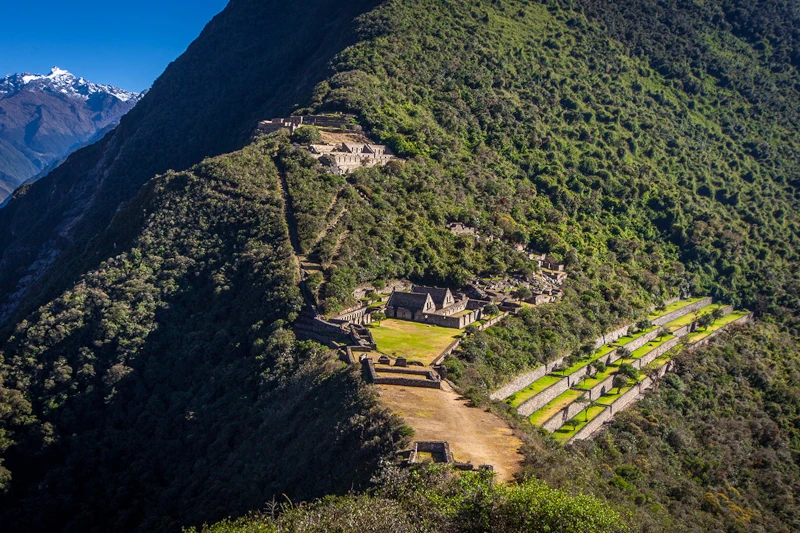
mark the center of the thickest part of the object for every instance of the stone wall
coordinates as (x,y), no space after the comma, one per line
(641,341)
(744,320)
(561,417)
(622,402)
(594,424)
(538,401)
(654,354)
(371,374)
(612,336)
(601,388)
(441,448)
(683,311)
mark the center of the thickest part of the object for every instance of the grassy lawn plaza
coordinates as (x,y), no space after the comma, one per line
(558,403)
(517,399)
(564,433)
(691,317)
(412,340)
(722,322)
(680,304)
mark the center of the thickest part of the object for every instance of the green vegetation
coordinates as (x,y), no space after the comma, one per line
(433,499)
(701,334)
(584,417)
(554,406)
(649,347)
(412,340)
(517,399)
(674,306)
(150,377)
(693,317)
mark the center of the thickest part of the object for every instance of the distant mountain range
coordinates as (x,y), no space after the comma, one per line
(44,118)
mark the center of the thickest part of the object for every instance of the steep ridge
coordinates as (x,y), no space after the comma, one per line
(170,369)
(255,59)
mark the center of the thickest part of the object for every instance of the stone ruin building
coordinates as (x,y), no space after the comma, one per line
(341,157)
(345,157)
(290,124)
(431,305)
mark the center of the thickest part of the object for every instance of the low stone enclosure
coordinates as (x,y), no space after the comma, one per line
(556,393)
(439,452)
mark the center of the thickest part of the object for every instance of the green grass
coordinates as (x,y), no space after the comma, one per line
(722,322)
(412,340)
(605,350)
(649,347)
(691,317)
(555,405)
(516,399)
(587,384)
(674,306)
(565,433)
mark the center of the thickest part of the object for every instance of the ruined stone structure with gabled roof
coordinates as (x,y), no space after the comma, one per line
(433,305)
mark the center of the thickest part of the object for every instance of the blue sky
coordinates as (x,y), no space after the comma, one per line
(127,44)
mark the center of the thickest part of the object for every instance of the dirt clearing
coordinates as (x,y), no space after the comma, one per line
(474,435)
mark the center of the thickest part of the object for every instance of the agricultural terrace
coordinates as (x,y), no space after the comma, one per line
(566,432)
(605,350)
(674,306)
(551,408)
(412,340)
(517,399)
(588,383)
(691,317)
(650,346)
(722,322)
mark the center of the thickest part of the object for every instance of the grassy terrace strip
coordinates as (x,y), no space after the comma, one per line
(587,384)
(691,317)
(517,399)
(680,304)
(605,350)
(545,413)
(565,433)
(650,346)
(722,322)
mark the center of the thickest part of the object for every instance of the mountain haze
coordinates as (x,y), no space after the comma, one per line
(151,378)
(43,118)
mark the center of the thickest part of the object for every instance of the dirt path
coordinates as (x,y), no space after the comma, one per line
(474,434)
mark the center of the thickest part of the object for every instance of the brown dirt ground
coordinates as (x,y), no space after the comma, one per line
(336,137)
(474,434)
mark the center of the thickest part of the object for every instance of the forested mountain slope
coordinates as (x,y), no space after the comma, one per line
(257,58)
(654,148)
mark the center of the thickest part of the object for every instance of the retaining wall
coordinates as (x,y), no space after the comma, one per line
(594,424)
(561,417)
(622,402)
(641,341)
(369,369)
(744,320)
(683,311)
(654,354)
(538,401)
(601,388)
(612,336)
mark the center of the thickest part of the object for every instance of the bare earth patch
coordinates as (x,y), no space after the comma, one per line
(474,435)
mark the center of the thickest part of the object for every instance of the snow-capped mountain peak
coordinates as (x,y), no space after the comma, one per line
(60,81)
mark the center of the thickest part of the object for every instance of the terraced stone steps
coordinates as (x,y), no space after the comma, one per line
(553,405)
(606,406)
(522,385)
